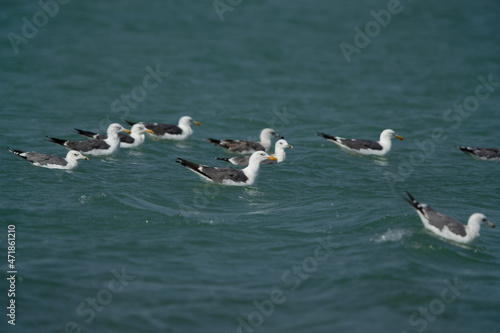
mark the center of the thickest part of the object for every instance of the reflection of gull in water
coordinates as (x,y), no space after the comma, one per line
(381,160)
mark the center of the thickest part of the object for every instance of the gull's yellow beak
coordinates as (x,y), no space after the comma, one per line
(197,123)
(86,158)
(126,131)
(399,137)
(149,131)
(491,224)
(290,146)
(272,158)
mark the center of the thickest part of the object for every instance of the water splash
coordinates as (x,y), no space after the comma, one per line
(390,236)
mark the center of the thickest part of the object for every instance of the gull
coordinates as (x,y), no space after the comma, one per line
(279,153)
(51,161)
(135,139)
(171,132)
(247,146)
(227,175)
(447,227)
(109,146)
(366,147)
(491,154)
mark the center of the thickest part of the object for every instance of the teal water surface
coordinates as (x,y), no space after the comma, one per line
(324,242)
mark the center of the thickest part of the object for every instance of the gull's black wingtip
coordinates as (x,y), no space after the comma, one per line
(326,136)
(465,149)
(60,142)
(131,123)
(212,141)
(14,151)
(412,201)
(411,196)
(186,163)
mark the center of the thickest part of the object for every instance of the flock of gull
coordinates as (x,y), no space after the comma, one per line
(251,155)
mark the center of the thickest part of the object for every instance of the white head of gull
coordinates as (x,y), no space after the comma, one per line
(137,137)
(185,123)
(252,170)
(279,150)
(265,137)
(386,140)
(113,140)
(72,158)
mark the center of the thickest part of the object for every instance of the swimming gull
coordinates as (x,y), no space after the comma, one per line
(491,154)
(51,161)
(448,227)
(109,146)
(247,146)
(180,131)
(279,153)
(366,147)
(230,176)
(135,139)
